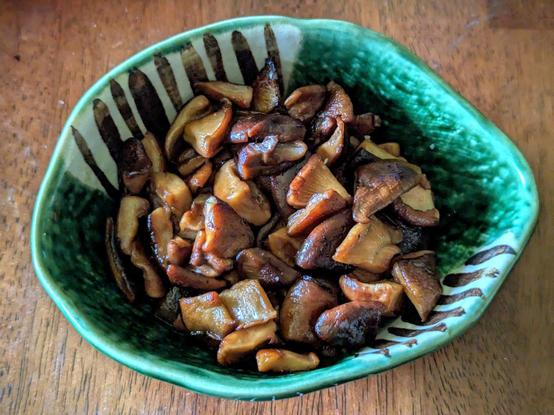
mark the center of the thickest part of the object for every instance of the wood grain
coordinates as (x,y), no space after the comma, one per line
(498,53)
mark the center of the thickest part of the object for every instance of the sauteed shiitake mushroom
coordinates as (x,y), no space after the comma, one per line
(273,227)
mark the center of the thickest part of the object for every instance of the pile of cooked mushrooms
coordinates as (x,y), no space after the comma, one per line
(276,229)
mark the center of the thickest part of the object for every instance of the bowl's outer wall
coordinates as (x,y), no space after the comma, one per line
(483,186)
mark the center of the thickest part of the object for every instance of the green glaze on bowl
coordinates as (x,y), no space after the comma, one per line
(483,186)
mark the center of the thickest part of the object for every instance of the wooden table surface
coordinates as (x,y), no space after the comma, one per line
(498,53)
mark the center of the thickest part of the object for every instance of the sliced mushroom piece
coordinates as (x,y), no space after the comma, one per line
(187,278)
(178,251)
(173,191)
(318,248)
(131,208)
(319,207)
(197,257)
(200,177)
(365,124)
(192,220)
(254,127)
(241,95)
(243,196)
(268,157)
(279,360)
(169,311)
(206,313)
(153,283)
(123,281)
(303,304)
(304,102)
(379,183)
(248,304)
(265,230)
(190,161)
(256,263)
(266,94)
(331,150)
(135,165)
(414,238)
(206,134)
(313,177)
(284,246)
(154,152)
(239,344)
(417,274)
(338,105)
(363,275)
(416,206)
(391,148)
(349,325)
(388,293)
(369,246)
(367,150)
(196,108)
(160,229)
(226,232)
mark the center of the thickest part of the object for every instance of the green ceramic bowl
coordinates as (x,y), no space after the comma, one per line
(484,189)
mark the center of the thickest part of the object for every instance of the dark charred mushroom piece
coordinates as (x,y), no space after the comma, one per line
(153,283)
(131,208)
(331,150)
(240,343)
(160,229)
(303,304)
(349,325)
(388,293)
(416,272)
(226,232)
(414,238)
(304,102)
(256,263)
(207,314)
(379,183)
(338,105)
(186,278)
(122,279)
(266,96)
(364,124)
(318,248)
(284,246)
(320,206)
(135,165)
(280,360)
(240,95)
(255,127)
(416,206)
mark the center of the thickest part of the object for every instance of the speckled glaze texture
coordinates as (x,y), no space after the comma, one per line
(483,186)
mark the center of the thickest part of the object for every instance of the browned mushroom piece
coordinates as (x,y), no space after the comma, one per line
(219,265)
(153,283)
(379,183)
(178,251)
(255,127)
(243,196)
(240,343)
(256,263)
(319,207)
(417,274)
(304,102)
(131,208)
(196,108)
(349,325)
(240,95)
(135,166)
(416,206)
(266,96)
(284,246)
(248,304)
(169,311)
(265,230)
(369,246)
(192,220)
(206,313)
(318,248)
(313,177)
(364,124)
(119,273)
(226,232)
(160,230)
(184,277)
(197,256)
(173,191)
(391,148)
(200,177)
(388,293)
(268,157)
(189,161)
(154,152)
(365,276)
(338,105)
(331,150)
(279,360)
(303,304)
(206,134)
